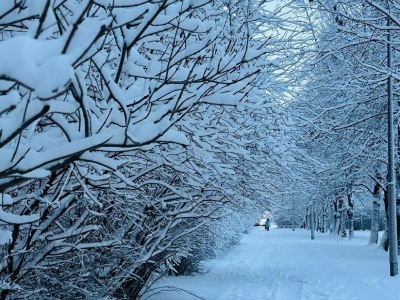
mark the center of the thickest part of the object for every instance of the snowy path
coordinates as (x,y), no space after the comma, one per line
(285,265)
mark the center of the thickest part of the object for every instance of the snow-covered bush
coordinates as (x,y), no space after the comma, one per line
(123,129)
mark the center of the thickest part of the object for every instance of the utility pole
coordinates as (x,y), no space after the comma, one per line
(391,173)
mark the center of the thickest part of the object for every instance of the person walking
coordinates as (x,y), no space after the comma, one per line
(267,224)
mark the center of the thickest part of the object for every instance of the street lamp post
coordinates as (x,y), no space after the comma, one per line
(391,173)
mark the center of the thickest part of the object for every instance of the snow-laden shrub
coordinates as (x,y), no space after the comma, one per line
(125,128)
(211,240)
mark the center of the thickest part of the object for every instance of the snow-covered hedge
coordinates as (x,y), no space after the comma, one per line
(126,127)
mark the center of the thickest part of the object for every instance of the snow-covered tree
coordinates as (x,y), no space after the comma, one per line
(125,128)
(342,106)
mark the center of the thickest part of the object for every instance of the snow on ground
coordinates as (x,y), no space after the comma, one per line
(286,265)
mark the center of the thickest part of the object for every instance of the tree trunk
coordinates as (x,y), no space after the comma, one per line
(337,218)
(324,219)
(307,220)
(312,225)
(350,215)
(361,222)
(376,206)
(320,223)
(323,225)
(293,216)
(385,238)
(342,209)
(331,218)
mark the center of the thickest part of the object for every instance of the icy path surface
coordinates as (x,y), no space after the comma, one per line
(285,265)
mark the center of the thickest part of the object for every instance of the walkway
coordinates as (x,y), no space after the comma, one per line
(285,265)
